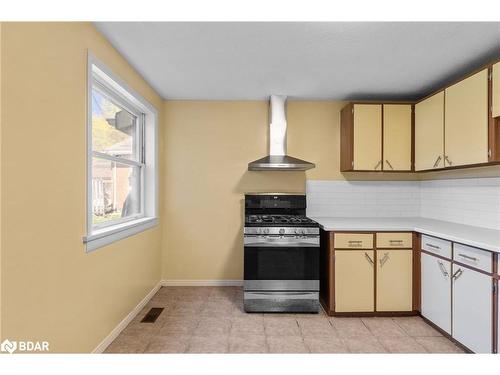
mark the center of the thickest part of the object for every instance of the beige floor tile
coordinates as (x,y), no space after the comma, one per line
(415,326)
(212,320)
(169,344)
(349,327)
(291,344)
(383,327)
(247,326)
(218,309)
(281,327)
(212,326)
(316,328)
(367,344)
(183,308)
(128,344)
(178,325)
(248,344)
(212,344)
(401,345)
(438,345)
(326,345)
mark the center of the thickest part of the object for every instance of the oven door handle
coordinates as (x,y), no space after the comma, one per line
(282,244)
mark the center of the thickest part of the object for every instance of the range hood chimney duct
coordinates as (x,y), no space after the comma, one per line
(278,160)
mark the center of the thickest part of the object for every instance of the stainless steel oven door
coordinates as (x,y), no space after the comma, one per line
(281,268)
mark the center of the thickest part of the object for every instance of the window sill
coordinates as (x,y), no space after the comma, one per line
(106,236)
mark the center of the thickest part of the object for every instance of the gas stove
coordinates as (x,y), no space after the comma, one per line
(281,259)
(279,220)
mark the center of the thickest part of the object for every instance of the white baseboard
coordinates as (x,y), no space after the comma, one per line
(202,283)
(125,322)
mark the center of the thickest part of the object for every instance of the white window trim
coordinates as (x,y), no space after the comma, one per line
(99,237)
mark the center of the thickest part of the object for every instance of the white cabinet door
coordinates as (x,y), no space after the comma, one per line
(472,315)
(436,291)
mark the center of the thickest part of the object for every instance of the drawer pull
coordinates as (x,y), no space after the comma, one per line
(355,243)
(433,246)
(369,259)
(443,270)
(468,257)
(457,274)
(395,242)
(384,259)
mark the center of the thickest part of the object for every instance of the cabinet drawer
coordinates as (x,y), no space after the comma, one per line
(394,240)
(473,257)
(436,246)
(353,241)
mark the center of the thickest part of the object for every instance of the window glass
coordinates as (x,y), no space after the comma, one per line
(114,129)
(115,191)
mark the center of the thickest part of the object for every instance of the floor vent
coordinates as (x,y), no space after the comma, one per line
(152,315)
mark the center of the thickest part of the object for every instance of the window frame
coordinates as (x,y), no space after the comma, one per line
(118,92)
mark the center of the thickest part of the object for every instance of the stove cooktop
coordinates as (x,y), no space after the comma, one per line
(279,220)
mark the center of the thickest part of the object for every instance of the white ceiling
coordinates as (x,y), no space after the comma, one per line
(358,60)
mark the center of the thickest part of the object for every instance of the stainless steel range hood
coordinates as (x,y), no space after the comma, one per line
(278,160)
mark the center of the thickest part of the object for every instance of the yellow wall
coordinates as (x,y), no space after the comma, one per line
(51,289)
(1,44)
(208,145)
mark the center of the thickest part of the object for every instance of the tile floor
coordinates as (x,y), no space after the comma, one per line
(212,320)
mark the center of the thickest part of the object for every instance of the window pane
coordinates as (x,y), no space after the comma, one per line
(115,190)
(114,130)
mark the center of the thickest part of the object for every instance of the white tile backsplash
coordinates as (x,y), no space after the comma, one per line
(473,201)
(362,198)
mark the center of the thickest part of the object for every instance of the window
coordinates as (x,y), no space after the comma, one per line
(121,186)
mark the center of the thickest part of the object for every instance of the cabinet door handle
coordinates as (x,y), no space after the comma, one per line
(457,274)
(369,259)
(436,163)
(384,259)
(389,164)
(468,257)
(448,160)
(378,164)
(443,270)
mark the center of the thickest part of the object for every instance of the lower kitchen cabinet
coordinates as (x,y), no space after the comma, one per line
(436,291)
(394,280)
(472,309)
(354,280)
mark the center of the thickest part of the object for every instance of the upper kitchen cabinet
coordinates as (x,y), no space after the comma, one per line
(376,137)
(429,133)
(397,137)
(466,121)
(495,101)
(367,124)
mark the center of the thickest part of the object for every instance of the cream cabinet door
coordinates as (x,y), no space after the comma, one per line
(367,137)
(495,102)
(394,280)
(397,137)
(354,280)
(466,121)
(429,133)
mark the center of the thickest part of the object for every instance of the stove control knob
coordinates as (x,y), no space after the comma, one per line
(266,230)
(282,231)
(297,231)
